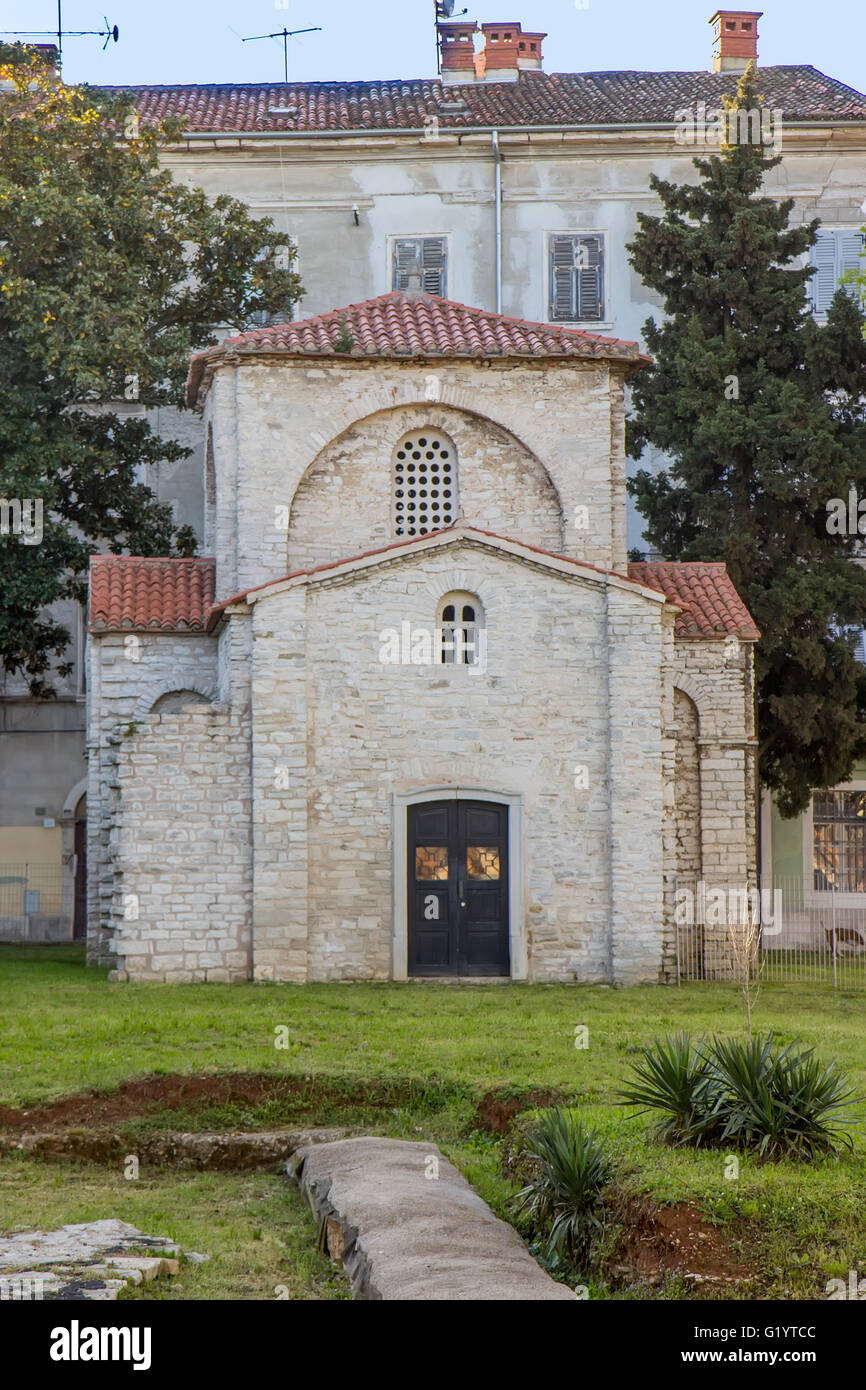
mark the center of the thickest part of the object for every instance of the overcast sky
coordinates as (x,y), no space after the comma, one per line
(166,41)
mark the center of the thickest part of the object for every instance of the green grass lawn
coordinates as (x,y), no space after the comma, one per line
(433,1052)
(257,1230)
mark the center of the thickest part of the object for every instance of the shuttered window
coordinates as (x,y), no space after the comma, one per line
(576,277)
(420,263)
(834,253)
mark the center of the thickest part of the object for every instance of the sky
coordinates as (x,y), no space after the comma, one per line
(176,41)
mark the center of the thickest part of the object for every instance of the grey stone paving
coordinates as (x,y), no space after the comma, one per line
(86,1260)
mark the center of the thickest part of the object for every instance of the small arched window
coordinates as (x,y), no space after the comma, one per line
(424,483)
(461,630)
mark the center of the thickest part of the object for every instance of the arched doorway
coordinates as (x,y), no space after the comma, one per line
(458,888)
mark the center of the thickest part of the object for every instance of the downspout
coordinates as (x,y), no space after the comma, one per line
(497,198)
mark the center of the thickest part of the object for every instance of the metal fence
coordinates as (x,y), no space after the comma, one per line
(787,932)
(27,892)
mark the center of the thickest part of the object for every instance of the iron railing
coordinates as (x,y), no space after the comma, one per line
(790,931)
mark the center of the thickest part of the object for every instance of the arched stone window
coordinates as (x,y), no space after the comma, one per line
(462,630)
(424,487)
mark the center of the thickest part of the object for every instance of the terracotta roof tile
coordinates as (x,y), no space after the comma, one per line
(711,605)
(405,324)
(134,594)
(535,99)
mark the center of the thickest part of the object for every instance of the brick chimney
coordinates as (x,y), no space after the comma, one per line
(498,60)
(735,39)
(457,61)
(529,52)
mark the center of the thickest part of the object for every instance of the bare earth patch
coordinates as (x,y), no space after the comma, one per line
(659,1241)
(151,1094)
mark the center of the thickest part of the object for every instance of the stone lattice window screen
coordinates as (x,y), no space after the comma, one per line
(424,475)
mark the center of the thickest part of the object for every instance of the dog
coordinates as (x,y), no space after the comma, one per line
(844,941)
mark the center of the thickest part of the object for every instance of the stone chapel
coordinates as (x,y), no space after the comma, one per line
(417,715)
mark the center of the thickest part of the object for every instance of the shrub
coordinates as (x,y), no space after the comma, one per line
(776,1104)
(675,1077)
(571,1167)
(788,1105)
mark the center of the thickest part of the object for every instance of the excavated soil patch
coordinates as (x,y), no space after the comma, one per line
(150,1095)
(230,1151)
(658,1241)
(497,1111)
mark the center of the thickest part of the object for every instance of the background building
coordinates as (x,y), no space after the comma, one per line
(497,185)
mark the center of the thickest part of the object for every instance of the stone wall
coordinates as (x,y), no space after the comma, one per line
(127,674)
(573,681)
(554,430)
(181,851)
(714,734)
(344,503)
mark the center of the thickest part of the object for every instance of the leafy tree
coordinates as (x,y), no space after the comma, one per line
(111,274)
(762,413)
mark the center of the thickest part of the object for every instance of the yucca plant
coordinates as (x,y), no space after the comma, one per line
(783,1105)
(572,1166)
(676,1078)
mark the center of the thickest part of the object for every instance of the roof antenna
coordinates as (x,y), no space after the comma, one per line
(110,32)
(443,9)
(285,35)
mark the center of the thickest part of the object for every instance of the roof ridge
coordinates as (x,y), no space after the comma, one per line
(415,297)
(407,325)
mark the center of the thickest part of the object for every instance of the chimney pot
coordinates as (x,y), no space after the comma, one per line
(507,52)
(457,51)
(735,39)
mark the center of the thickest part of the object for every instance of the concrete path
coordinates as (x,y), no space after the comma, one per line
(405,1224)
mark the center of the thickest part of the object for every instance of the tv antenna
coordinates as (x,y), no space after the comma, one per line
(443,9)
(285,35)
(110,32)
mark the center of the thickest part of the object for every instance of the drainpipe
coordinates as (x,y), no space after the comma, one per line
(497,156)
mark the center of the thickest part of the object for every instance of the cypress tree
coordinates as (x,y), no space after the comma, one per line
(761,413)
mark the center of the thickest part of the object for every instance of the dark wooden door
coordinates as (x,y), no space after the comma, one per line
(79,928)
(458,888)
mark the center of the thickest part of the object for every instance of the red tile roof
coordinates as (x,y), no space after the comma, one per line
(131,593)
(711,605)
(535,99)
(410,325)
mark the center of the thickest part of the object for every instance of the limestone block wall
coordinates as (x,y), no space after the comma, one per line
(560,693)
(273,422)
(344,503)
(128,673)
(181,848)
(635,653)
(716,752)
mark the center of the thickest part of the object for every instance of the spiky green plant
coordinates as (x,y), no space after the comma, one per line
(572,1166)
(782,1105)
(676,1078)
